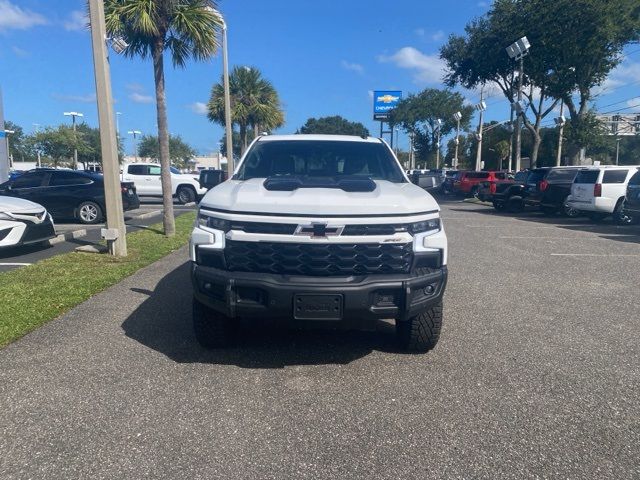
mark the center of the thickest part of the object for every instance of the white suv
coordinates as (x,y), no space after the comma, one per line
(600,191)
(146,177)
(319,229)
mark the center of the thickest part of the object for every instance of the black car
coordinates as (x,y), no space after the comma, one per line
(632,200)
(548,188)
(68,194)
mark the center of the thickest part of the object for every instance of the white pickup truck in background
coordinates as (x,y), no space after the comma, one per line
(146,177)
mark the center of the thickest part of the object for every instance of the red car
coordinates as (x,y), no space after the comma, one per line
(468,183)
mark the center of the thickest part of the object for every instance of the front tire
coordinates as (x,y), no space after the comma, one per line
(422,332)
(619,217)
(212,329)
(568,211)
(89,213)
(186,195)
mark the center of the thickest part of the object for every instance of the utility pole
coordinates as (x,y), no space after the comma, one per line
(458,117)
(115,233)
(9,155)
(37,125)
(481,107)
(511,140)
(439,127)
(135,134)
(227,100)
(560,121)
(411,152)
(518,119)
(617,149)
(73,115)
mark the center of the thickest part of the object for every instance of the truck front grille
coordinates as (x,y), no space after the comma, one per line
(322,259)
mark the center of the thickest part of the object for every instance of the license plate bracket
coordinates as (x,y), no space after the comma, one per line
(317,307)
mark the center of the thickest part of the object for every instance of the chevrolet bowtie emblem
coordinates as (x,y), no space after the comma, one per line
(318,230)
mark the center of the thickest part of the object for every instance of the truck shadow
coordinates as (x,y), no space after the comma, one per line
(163,323)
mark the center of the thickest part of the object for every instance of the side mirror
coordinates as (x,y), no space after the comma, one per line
(211,178)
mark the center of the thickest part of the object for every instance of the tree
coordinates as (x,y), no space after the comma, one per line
(335,125)
(185,28)
(59,143)
(254,103)
(236,142)
(18,147)
(479,57)
(180,151)
(418,114)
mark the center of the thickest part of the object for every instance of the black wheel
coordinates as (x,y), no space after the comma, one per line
(212,329)
(568,211)
(619,217)
(515,205)
(420,333)
(474,192)
(186,195)
(89,213)
(498,206)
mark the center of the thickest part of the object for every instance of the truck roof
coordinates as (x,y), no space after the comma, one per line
(315,137)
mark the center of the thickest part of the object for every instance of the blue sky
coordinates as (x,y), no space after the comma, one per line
(324,58)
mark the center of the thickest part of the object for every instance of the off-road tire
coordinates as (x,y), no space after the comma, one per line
(420,333)
(186,195)
(499,206)
(212,329)
(474,193)
(548,211)
(515,205)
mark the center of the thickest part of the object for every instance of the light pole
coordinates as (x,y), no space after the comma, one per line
(560,121)
(481,107)
(397,130)
(617,149)
(517,51)
(457,116)
(411,152)
(135,134)
(438,129)
(73,115)
(118,125)
(115,233)
(37,125)
(9,155)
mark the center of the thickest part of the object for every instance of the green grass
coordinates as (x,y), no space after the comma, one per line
(33,295)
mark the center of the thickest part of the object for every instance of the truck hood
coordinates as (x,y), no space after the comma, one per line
(388,198)
(18,205)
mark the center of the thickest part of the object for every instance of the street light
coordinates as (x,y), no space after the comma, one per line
(9,155)
(73,115)
(517,51)
(37,125)
(135,134)
(438,130)
(560,121)
(227,92)
(457,116)
(481,107)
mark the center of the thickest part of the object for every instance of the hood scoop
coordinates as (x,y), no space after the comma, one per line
(289,183)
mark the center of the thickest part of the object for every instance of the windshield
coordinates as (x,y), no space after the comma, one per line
(174,170)
(320,158)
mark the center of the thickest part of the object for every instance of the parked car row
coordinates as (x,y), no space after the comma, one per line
(68,194)
(597,192)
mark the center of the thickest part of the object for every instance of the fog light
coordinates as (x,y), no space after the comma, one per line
(429,289)
(207,286)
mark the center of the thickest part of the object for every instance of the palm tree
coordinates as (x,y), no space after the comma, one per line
(254,103)
(187,29)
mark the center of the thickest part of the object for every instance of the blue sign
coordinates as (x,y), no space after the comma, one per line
(384,101)
(2,134)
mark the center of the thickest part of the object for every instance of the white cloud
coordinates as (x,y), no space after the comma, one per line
(633,102)
(199,108)
(140,98)
(437,36)
(19,52)
(354,67)
(135,87)
(429,69)
(14,17)
(483,4)
(421,32)
(77,21)
(89,98)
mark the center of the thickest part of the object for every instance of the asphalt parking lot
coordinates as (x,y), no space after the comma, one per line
(76,234)
(537,375)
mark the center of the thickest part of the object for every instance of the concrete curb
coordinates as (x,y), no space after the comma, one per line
(63,237)
(149,214)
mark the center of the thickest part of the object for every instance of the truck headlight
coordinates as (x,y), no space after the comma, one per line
(213,223)
(426,226)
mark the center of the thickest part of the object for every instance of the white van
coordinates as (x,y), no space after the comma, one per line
(600,191)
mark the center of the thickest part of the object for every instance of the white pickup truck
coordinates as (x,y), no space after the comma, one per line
(146,177)
(319,229)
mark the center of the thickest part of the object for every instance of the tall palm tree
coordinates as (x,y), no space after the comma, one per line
(187,29)
(254,103)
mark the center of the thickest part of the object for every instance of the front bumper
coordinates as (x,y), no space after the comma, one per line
(16,233)
(363,298)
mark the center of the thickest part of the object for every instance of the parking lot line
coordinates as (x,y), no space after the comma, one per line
(593,255)
(14,264)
